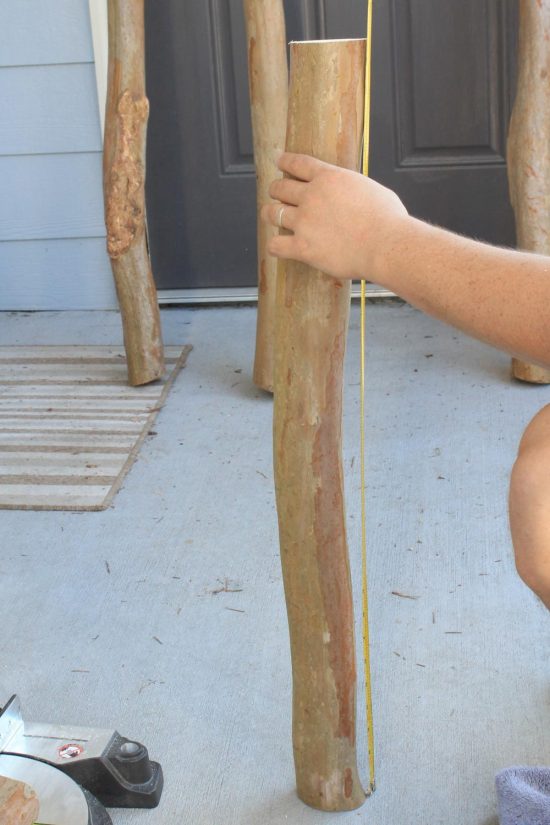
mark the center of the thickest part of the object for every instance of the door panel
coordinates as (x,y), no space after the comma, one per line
(231,101)
(441,101)
(449,68)
(200,181)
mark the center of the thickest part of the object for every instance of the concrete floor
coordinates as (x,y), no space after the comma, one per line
(461,674)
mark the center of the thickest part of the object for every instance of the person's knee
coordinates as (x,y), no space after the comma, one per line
(537,432)
(530,506)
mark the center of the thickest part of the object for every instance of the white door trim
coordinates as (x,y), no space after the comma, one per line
(100,38)
(243,295)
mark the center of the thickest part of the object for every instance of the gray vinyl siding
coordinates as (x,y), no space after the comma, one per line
(52,233)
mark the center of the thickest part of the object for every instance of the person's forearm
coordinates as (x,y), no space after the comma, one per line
(349,226)
(497,295)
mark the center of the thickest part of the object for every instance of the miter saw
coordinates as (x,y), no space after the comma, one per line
(76,771)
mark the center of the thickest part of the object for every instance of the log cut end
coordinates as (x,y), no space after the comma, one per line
(531,373)
(340,791)
(147,369)
(125,185)
(18,803)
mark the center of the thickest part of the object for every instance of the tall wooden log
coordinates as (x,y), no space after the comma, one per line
(529,146)
(325,119)
(18,803)
(124,191)
(268,83)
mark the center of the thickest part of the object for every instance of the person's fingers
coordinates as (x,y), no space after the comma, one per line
(286,217)
(302,167)
(279,214)
(264,213)
(287,190)
(283,246)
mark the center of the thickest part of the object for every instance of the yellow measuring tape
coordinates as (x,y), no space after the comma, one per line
(366,635)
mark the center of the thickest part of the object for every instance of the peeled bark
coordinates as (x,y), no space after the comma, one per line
(124,191)
(18,803)
(268,84)
(529,147)
(325,120)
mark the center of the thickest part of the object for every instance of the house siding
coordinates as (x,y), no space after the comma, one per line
(52,233)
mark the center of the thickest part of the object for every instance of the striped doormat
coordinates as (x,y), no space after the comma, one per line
(70,426)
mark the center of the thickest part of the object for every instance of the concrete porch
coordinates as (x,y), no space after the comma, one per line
(114,619)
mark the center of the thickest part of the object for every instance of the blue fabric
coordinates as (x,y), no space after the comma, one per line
(524,796)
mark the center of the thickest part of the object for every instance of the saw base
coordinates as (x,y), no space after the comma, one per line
(77,772)
(62,801)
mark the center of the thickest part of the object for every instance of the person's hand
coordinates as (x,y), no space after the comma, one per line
(341,222)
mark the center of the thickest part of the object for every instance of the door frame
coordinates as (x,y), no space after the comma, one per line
(100,40)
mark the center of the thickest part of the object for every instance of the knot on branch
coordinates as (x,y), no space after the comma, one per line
(125,201)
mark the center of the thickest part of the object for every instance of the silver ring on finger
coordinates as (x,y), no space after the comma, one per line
(280,217)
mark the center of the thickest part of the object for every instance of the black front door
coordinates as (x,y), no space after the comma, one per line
(442,79)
